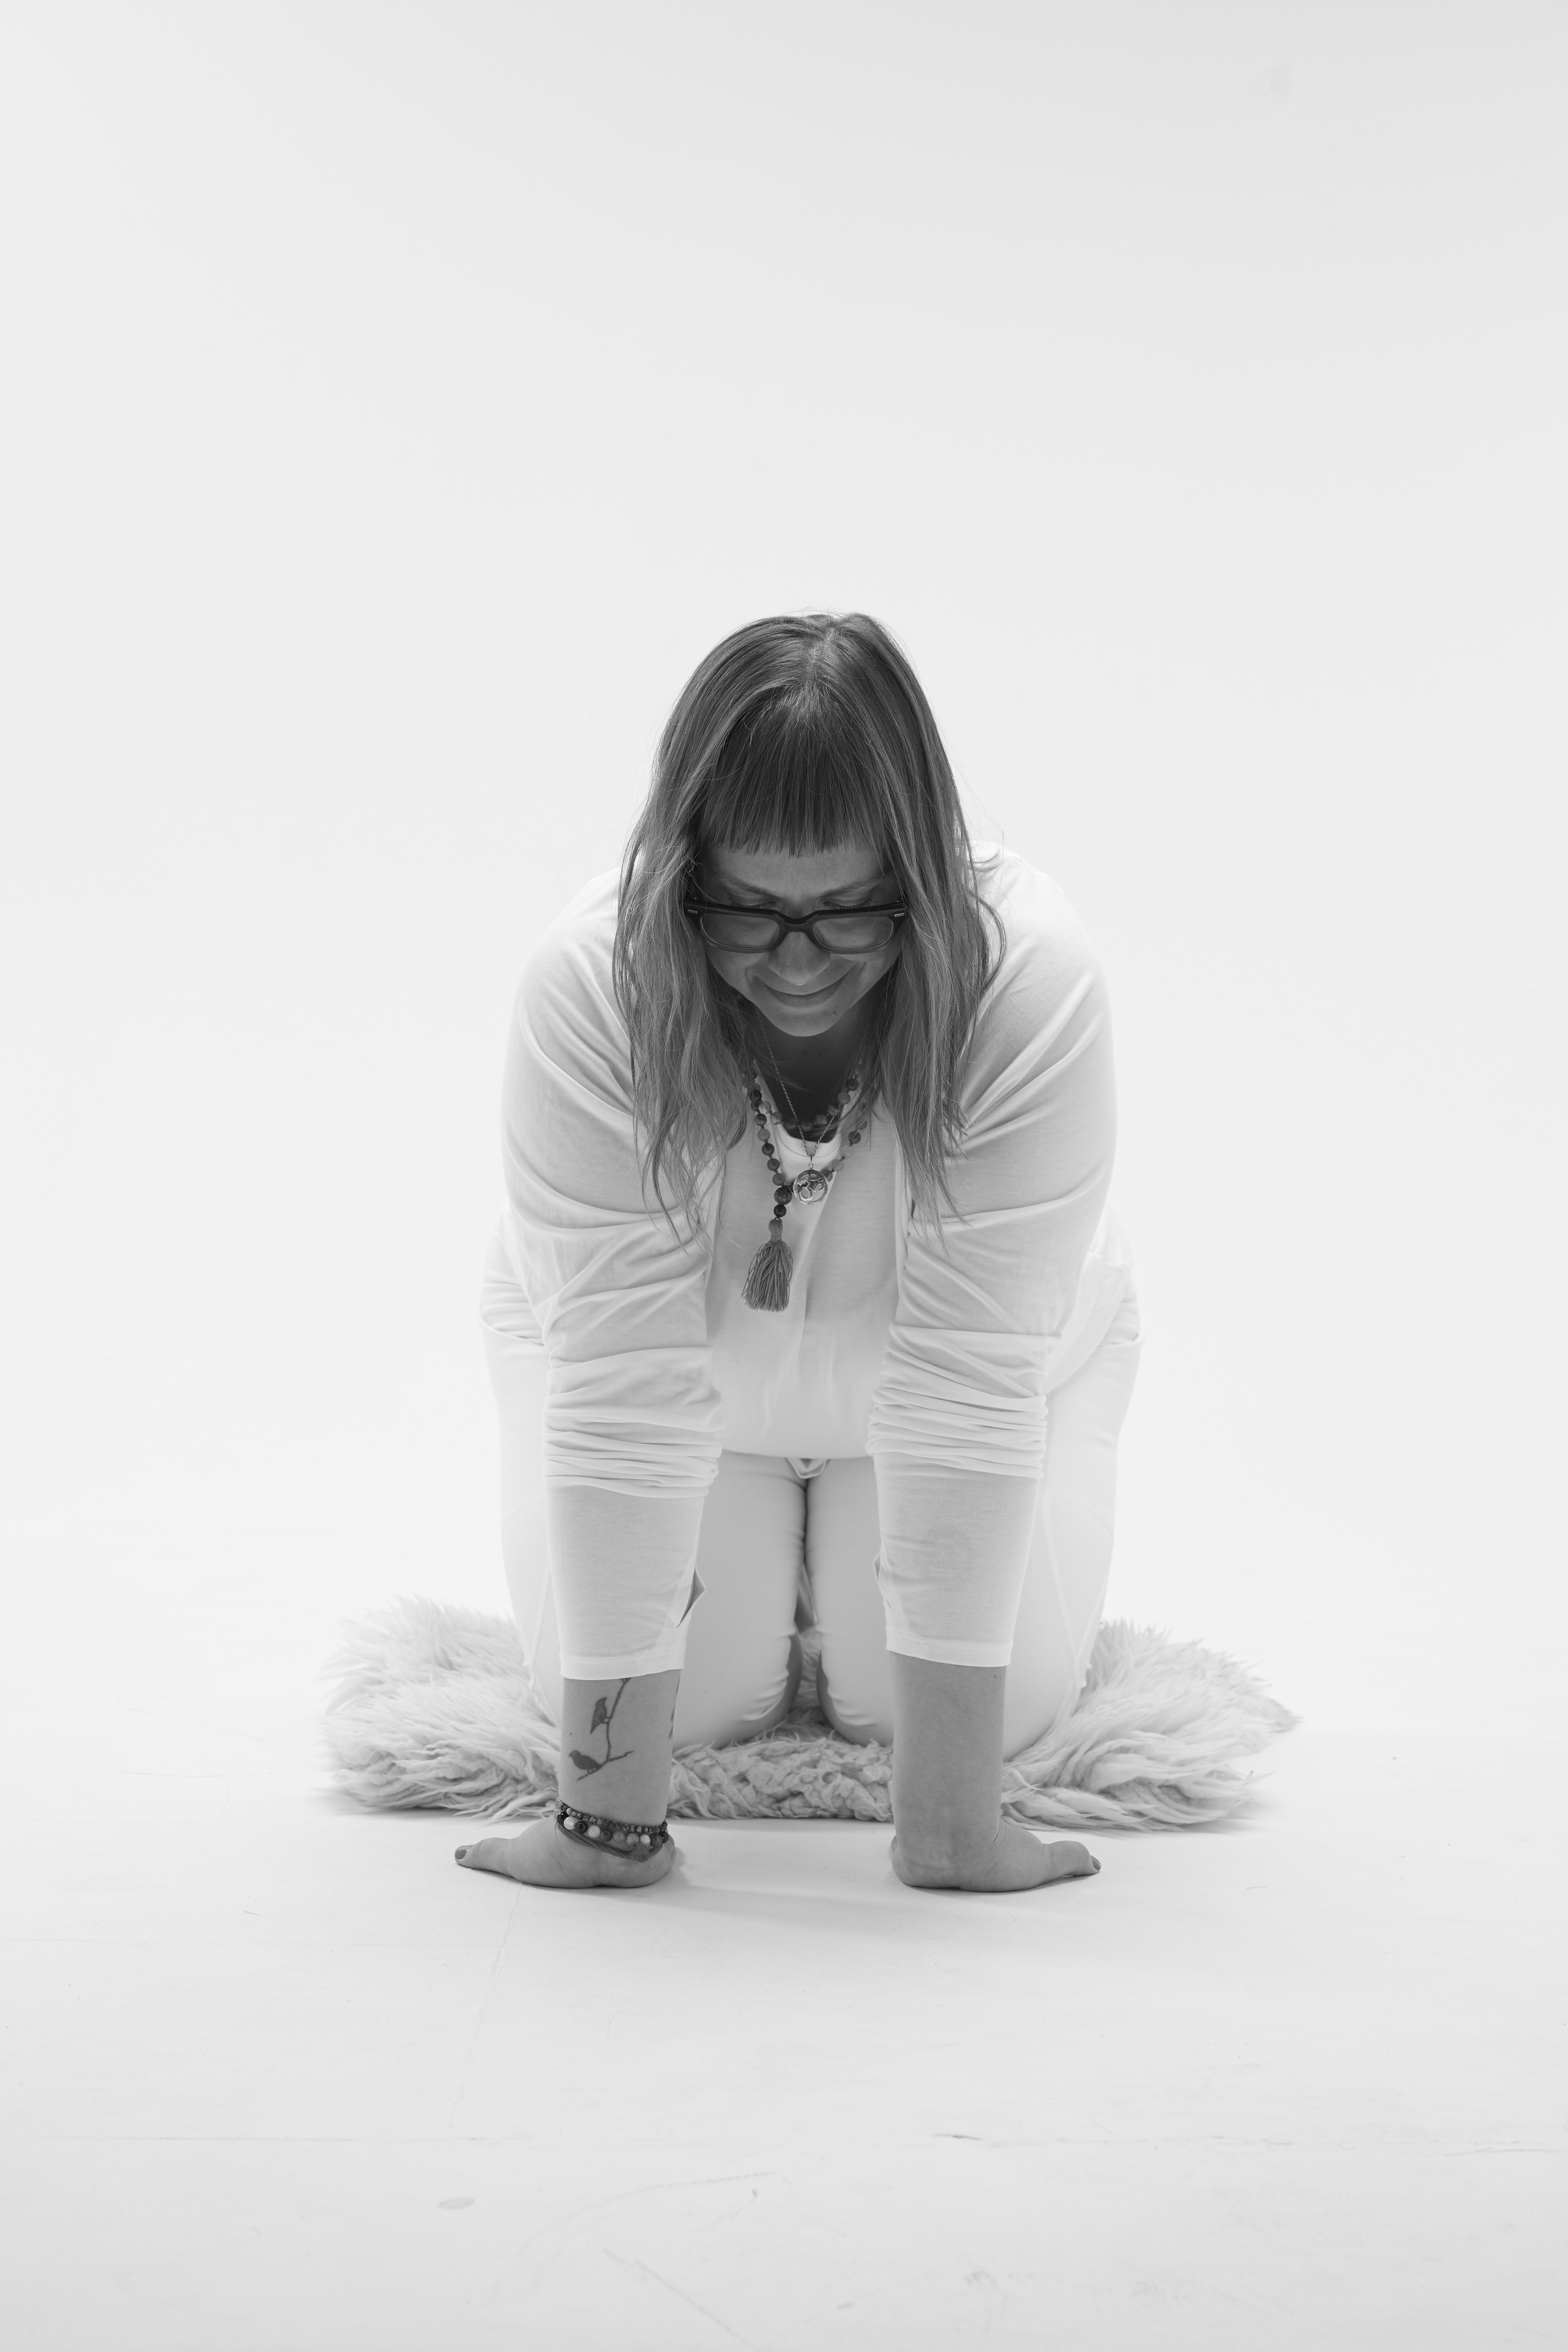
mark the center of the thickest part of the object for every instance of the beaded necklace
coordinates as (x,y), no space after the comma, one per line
(767,1282)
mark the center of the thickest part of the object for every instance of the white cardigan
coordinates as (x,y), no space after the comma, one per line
(935,1354)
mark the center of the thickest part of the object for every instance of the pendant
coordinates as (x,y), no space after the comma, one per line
(810,1185)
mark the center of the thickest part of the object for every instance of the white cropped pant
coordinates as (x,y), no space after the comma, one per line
(789,1544)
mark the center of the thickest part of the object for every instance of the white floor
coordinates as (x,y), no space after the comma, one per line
(281,2078)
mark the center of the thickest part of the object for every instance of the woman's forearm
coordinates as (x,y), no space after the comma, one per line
(947,1788)
(621,1566)
(616,1745)
(947,1760)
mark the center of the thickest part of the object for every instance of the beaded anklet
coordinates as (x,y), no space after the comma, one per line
(636,1840)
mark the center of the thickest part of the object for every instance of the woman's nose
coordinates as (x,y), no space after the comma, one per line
(795,960)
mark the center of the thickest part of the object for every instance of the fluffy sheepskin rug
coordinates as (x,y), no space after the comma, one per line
(435,1708)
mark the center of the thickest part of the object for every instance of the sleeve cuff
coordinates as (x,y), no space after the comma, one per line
(657,1658)
(576,1666)
(950,1654)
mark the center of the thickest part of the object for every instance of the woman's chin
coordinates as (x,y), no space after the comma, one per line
(810,1012)
(807,1020)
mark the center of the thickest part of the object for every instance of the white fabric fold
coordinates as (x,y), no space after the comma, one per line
(955,1545)
(618,1288)
(985,1297)
(628,1589)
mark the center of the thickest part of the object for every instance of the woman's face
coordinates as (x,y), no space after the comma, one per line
(796,987)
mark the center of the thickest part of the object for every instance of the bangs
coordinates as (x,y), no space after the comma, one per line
(791,776)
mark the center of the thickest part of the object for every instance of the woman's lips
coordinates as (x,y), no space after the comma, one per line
(804,996)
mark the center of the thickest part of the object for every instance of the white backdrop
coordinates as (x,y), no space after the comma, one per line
(400,399)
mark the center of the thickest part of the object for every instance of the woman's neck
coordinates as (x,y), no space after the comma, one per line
(808,1072)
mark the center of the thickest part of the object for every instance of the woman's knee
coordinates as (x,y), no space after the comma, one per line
(843,1537)
(743,1653)
(742,1666)
(742,1662)
(1042,1691)
(1069,1570)
(744,1699)
(854,1693)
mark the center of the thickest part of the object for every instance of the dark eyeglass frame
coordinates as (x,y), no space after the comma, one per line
(696,907)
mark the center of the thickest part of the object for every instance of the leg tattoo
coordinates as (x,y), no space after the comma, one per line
(603,1716)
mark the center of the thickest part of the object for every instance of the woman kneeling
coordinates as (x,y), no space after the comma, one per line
(808,1308)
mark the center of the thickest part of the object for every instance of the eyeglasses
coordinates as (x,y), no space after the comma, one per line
(755,930)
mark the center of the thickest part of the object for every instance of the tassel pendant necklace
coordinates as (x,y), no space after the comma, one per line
(767,1282)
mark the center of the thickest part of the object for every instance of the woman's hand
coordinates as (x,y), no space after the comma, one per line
(947,1787)
(1015,1859)
(615,1763)
(545,1856)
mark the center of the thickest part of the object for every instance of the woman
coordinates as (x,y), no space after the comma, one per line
(809,1124)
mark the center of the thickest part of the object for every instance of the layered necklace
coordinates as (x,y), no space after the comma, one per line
(767,1282)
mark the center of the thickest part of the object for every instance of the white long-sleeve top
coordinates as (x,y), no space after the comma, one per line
(933,1351)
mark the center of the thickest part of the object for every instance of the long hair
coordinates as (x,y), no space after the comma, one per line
(804,733)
